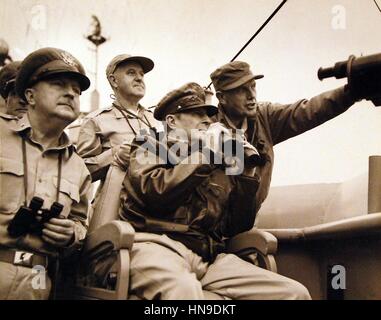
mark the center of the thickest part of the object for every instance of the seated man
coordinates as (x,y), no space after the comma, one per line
(15,107)
(43,182)
(183,206)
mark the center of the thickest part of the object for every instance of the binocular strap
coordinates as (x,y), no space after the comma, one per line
(25,165)
(123,112)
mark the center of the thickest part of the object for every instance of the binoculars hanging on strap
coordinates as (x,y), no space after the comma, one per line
(363,74)
(31,219)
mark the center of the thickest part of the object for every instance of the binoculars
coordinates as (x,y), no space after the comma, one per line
(233,145)
(31,219)
(363,74)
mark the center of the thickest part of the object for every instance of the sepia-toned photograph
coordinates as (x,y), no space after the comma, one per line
(190,150)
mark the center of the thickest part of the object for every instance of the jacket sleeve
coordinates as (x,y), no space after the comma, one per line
(160,183)
(90,149)
(289,120)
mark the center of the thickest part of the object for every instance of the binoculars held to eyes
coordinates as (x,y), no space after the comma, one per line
(233,144)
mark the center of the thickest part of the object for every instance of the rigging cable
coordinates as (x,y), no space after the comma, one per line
(378,7)
(256,33)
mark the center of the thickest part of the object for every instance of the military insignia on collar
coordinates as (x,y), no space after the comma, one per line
(68,59)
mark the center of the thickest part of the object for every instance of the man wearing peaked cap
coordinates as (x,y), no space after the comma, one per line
(188,97)
(183,210)
(107,133)
(15,106)
(39,165)
(47,62)
(266,124)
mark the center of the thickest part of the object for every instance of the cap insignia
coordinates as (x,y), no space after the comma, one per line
(68,59)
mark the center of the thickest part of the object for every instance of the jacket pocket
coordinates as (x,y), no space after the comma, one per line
(214,198)
(11,185)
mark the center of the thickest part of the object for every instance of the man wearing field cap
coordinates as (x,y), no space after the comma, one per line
(106,131)
(40,168)
(183,205)
(14,105)
(105,135)
(266,124)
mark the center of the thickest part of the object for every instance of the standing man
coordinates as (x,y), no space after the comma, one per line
(265,124)
(15,107)
(183,208)
(40,168)
(104,131)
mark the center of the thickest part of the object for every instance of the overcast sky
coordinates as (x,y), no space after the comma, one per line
(188,39)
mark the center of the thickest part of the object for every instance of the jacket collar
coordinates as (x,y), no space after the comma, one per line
(223,118)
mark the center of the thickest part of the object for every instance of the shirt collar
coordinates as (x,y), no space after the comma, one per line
(23,128)
(129,114)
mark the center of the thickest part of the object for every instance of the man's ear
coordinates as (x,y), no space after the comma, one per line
(29,96)
(221,97)
(170,119)
(112,80)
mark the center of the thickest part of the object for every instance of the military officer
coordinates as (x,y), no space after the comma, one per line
(14,105)
(105,131)
(265,124)
(182,209)
(39,167)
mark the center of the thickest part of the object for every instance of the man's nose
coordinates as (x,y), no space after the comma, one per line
(139,77)
(252,95)
(70,91)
